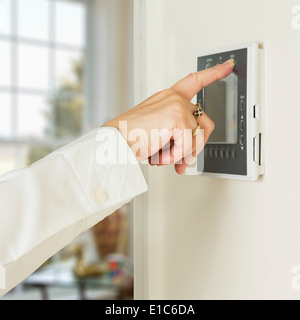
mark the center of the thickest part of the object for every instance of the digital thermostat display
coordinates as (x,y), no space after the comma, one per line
(220,100)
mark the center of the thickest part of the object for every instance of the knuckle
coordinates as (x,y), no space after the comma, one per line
(177,111)
(175,100)
(166,92)
(179,99)
(177,108)
(177,105)
(194,76)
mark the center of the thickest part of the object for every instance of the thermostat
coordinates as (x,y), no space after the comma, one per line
(235,150)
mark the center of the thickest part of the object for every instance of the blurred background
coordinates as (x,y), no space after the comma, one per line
(65,68)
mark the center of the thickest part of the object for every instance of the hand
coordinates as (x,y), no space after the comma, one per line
(170,113)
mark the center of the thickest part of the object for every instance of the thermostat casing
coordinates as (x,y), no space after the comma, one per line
(235,150)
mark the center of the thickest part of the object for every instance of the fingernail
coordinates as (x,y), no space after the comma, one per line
(231,61)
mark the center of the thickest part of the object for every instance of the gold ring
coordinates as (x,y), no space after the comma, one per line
(199,111)
(196,131)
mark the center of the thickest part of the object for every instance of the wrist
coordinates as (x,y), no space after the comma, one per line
(112,123)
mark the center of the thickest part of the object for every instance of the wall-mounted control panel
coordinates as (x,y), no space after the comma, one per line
(235,150)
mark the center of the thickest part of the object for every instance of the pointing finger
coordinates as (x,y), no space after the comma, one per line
(189,86)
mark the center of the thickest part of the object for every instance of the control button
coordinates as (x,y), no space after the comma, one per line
(208,65)
(222,153)
(205,152)
(101,196)
(220,62)
(242,105)
(242,140)
(216,153)
(233,154)
(227,153)
(211,152)
(242,125)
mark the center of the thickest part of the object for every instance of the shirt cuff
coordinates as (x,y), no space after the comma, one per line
(48,204)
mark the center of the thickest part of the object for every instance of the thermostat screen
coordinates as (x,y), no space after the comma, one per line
(220,103)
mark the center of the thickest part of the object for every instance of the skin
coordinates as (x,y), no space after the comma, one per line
(172,112)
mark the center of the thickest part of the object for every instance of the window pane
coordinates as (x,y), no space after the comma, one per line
(7,158)
(5,115)
(70,23)
(69,70)
(21,152)
(68,115)
(5,9)
(33,67)
(33,19)
(27,155)
(34,116)
(5,63)
(14,157)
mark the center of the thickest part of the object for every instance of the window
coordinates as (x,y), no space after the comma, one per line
(44,89)
(42,63)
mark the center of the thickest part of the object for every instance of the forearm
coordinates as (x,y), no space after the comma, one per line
(47,205)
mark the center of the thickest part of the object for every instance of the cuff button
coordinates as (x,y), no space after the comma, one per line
(101,196)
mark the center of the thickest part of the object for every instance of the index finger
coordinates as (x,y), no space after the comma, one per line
(189,86)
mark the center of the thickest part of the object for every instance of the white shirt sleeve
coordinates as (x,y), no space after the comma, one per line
(47,205)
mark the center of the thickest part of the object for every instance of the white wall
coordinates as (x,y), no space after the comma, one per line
(210,238)
(111,52)
(110,87)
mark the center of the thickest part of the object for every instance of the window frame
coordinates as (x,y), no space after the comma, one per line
(14,89)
